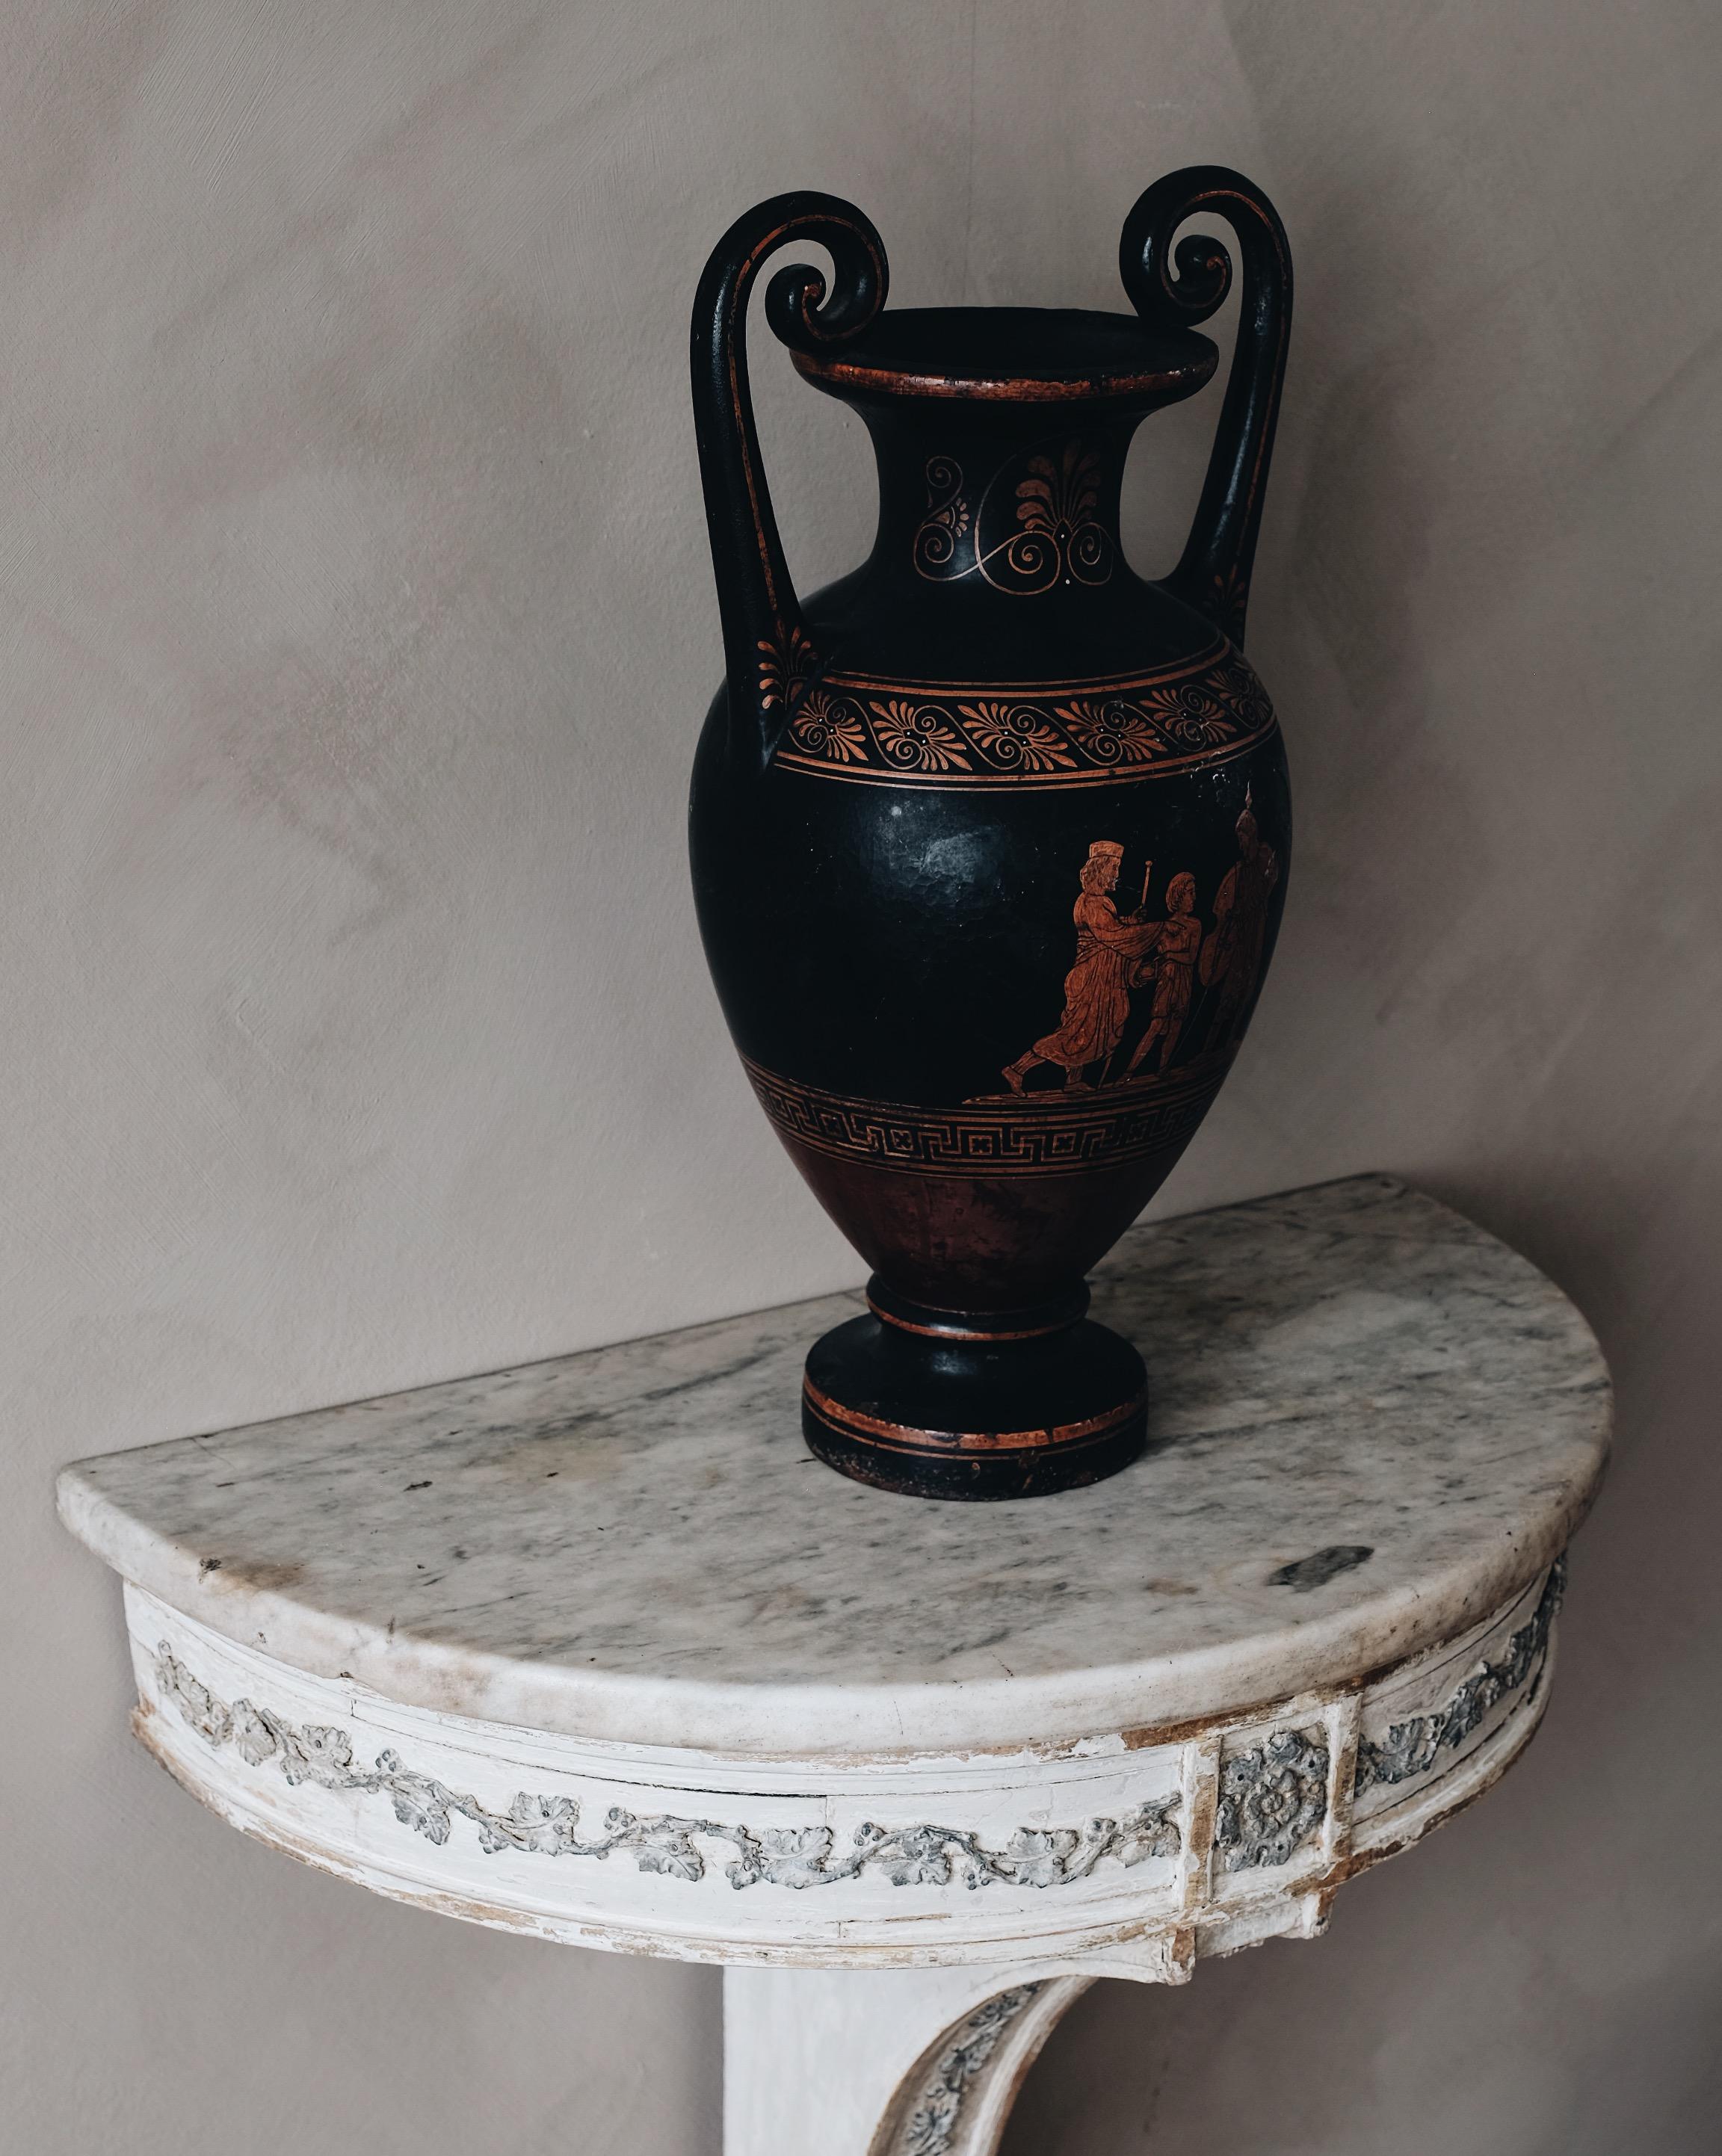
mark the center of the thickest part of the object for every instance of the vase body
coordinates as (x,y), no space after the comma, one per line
(990,842)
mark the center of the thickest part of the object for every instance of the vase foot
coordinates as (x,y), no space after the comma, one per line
(943,1403)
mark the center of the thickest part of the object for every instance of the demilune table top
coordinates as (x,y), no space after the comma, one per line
(1370,1423)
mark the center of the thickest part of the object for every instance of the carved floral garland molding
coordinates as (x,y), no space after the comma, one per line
(1411,1747)
(1272,1798)
(779,1857)
(931,2125)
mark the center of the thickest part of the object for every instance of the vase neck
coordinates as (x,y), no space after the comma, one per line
(1015,504)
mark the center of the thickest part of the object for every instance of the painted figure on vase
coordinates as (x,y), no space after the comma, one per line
(1171,966)
(1232,956)
(904,776)
(1097,989)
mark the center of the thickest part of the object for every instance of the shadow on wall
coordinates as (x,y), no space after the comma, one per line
(1263,2057)
(1340,592)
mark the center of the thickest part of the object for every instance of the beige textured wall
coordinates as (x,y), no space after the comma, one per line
(356,629)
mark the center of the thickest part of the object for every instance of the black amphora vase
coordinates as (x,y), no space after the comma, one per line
(990,837)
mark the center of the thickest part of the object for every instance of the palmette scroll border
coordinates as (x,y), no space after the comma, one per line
(795,1857)
(1047,738)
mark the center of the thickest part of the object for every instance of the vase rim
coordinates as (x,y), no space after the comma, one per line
(1014,354)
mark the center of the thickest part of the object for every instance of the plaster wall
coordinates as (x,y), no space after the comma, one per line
(356,629)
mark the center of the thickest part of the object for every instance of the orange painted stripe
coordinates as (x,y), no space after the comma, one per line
(904,1437)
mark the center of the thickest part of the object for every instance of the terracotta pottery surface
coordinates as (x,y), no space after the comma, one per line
(990,839)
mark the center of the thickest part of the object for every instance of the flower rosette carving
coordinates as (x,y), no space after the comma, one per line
(919,736)
(830,727)
(1016,737)
(1272,1799)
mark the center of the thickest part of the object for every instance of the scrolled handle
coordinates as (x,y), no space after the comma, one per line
(1177,287)
(769,655)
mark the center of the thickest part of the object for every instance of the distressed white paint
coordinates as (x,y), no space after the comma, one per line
(728,1857)
(852,2063)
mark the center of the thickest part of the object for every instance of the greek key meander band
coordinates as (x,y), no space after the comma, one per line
(900,1437)
(1202,712)
(1031,1134)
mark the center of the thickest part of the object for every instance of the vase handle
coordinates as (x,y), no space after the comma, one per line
(1176,290)
(769,657)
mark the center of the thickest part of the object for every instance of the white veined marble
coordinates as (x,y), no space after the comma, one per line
(632,1543)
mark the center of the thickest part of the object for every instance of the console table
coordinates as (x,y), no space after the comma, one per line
(594,1650)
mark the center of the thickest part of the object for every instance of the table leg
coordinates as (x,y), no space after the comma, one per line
(880,2062)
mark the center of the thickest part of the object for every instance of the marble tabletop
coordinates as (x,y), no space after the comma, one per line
(1369,1418)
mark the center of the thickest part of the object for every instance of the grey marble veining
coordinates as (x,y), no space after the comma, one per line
(632,1543)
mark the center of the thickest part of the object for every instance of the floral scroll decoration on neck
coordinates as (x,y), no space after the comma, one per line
(1056,535)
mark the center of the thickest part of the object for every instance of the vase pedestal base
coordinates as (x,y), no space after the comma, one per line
(949,1403)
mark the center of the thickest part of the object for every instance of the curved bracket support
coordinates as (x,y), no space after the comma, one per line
(769,659)
(882,2062)
(1175,288)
